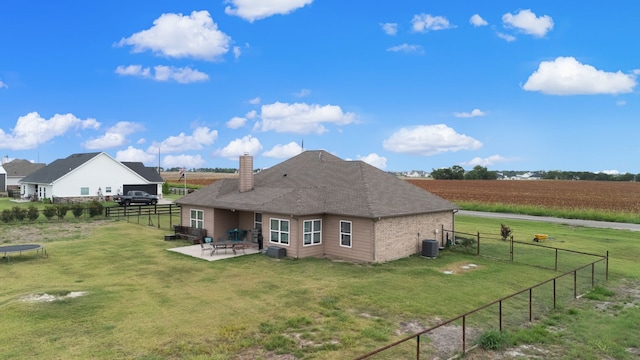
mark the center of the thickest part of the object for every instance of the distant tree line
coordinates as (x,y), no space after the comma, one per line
(214,170)
(456,172)
(586,175)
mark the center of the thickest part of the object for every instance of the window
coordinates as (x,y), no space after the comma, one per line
(280,231)
(345,233)
(257,220)
(107,189)
(312,232)
(197,219)
(84,191)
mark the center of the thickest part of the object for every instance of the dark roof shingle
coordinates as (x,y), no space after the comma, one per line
(316,182)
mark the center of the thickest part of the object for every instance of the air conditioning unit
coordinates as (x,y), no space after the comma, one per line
(430,248)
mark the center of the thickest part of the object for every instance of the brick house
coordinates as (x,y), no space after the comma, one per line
(316,204)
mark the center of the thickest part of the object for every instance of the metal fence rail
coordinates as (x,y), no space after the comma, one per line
(515,309)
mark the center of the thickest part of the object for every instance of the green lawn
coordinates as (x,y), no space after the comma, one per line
(143,302)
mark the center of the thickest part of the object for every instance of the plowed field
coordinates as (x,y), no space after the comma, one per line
(614,196)
(580,195)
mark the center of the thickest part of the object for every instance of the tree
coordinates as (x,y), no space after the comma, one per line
(480,173)
(457,172)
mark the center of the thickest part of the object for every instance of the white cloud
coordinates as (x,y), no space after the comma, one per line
(251,114)
(255,101)
(134,154)
(429,140)
(284,151)
(181,75)
(491,160)
(477,20)
(389,28)
(186,161)
(236,122)
(302,93)
(473,113)
(174,35)
(407,48)
(3,85)
(237,52)
(114,136)
(567,76)
(252,10)
(302,118)
(621,102)
(201,136)
(237,147)
(527,22)
(163,73)
(32,130)
(610,172)
(506,37)
(374,159)
(427,22)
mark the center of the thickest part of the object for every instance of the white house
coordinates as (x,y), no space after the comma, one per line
(89,176)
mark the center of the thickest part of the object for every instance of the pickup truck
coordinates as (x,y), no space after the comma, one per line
(136,197)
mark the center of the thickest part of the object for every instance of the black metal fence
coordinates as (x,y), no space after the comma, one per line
(161,215)
(510,312)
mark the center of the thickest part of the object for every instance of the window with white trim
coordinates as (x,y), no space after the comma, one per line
(84,191)
(279,231)
(197,218)
(312,232)
(345,233)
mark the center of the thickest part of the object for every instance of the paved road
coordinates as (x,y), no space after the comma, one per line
(574,222)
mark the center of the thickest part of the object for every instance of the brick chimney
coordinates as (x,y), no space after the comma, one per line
(246,173)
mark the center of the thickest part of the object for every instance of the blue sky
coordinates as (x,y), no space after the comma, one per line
(402,85)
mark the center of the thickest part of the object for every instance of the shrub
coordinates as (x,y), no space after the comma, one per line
(19,213)
(46,201)
(95,208)
(77,210)
(493,340)
(165,188)
(505,231)
(32,213)
(61,211)
(49,212)
(6,215)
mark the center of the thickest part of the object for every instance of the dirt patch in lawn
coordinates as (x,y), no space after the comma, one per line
(459,268)
(47,232)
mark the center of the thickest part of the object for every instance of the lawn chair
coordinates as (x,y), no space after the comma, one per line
(207,246)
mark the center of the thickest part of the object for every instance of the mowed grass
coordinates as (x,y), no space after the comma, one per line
(144,302)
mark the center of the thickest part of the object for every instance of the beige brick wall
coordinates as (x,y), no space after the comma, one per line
(400,237)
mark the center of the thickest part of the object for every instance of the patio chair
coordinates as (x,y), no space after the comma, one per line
(207,246)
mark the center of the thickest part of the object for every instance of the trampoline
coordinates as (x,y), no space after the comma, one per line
(7,249)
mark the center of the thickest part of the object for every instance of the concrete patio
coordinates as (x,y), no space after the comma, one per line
(196,251)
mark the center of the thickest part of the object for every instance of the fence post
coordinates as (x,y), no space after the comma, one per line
(554,293)
(478,242)
(530,306)
(607,267)
(418,347)
(575,284)
(593,275)
(500,314)
(511,250)
(464,335)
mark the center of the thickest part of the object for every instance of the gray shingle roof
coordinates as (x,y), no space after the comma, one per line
(59,168)
(21,168)
(149,173)
(316,182)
